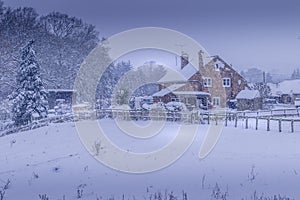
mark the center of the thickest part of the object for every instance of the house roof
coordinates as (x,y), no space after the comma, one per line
(168,90)
(177,74)
(174,71)
(248,94)
(285,87)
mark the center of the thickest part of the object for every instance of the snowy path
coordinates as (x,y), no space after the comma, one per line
(51,160)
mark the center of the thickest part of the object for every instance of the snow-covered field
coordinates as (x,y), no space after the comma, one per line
(52,160)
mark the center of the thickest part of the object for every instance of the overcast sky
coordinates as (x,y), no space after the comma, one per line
(254,33)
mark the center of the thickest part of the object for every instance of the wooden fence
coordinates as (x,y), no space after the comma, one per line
(198,116)
(279,116)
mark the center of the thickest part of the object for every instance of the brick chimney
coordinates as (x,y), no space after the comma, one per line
(184,59)
(200,57)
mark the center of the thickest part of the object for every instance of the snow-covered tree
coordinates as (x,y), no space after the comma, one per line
(1,8)
(61,42)
(263,88)
(29,96)
(17,26)
(110,78)
(296,74)
(143,80)
(71,41)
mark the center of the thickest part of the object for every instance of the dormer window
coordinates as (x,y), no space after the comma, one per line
(217,67)
(207,82)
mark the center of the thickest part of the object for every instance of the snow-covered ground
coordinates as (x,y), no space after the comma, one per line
(52,160)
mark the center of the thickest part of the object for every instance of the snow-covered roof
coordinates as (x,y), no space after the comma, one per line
(167,90)
(248,94)
(177,74)
(285,87)
(191,93)
(173,66)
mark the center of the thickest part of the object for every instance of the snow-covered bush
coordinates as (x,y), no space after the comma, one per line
(175,106)
(154,107)
(120,107)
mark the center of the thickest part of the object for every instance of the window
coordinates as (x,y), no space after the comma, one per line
(216,101)
(218,65)
(207,82)
(174,99)
(226,82)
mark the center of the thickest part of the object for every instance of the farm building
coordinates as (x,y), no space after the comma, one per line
(249,100)
(66,96)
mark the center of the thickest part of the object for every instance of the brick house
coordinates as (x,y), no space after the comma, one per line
(213,83)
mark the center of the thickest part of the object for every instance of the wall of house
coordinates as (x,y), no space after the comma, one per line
(217,89)
(238,83)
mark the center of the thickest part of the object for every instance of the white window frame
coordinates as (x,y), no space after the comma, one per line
(227,83)
(216,100)
(207,81)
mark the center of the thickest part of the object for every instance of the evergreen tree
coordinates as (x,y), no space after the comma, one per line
(29,96)
(296,74)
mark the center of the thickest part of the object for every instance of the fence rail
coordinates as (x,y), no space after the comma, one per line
(280,117)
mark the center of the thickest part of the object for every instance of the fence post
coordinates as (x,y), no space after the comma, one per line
(226,118)
(268,124)
(256,123)
(279,124)
(292,126)
(246,122)
(236,119)
(216,118)
(208,118)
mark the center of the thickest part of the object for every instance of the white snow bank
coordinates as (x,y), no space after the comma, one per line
(51,160)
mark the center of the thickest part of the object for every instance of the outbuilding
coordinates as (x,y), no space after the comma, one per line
(249,100)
